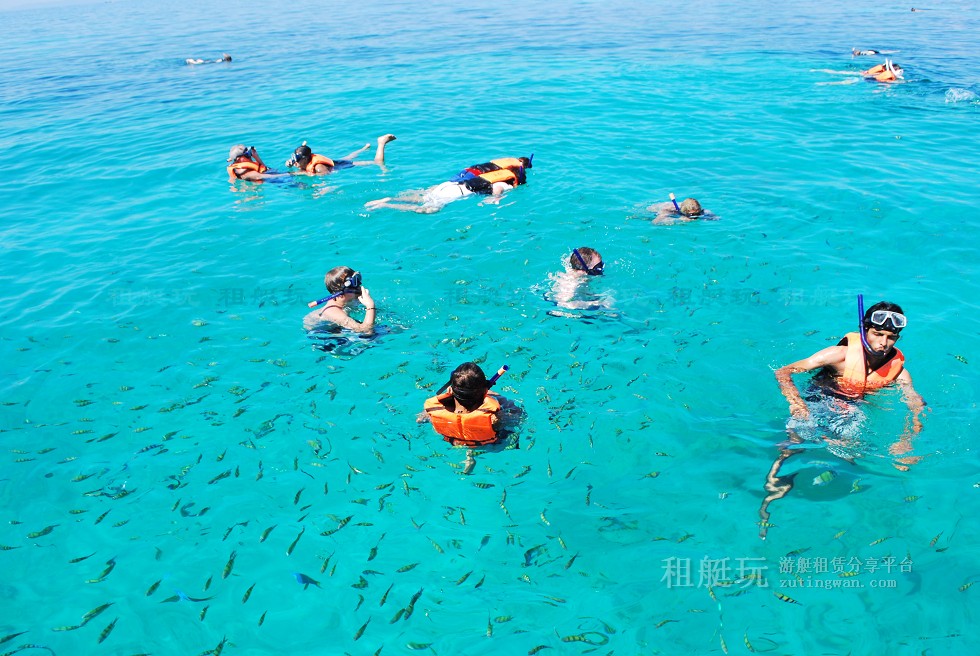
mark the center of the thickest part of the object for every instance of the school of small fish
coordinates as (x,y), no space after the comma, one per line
(235,512)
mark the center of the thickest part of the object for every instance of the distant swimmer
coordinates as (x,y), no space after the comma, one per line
(225,57)
(887,72)
(466,413)
(859,53)
(310,163)
(491,179)
(245,164)
(344,285)
(670,213)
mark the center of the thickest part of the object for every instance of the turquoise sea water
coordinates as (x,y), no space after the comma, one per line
(162,408)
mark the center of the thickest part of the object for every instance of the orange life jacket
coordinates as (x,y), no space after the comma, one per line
(316,160)
(881,72)
(480,177)
(473,428)
(501,175)
(248,166)
(855,381)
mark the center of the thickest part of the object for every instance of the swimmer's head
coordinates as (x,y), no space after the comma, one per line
(885,316)
(586,260)
(239,150)
(301,156)
(225,57)
(691,207)
(469,385)
(526,162)
(342,279)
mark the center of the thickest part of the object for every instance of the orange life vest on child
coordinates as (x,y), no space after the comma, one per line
(248,166)
(472,428)
(316,160)
(855,381)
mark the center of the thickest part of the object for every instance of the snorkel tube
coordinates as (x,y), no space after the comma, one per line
(321,301)
(864,339)
(673,199)
(350,284)
(500,372)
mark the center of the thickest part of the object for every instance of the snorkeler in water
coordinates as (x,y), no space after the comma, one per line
(569,288)
(670,213)
(861,363)
(887,72)
(310,163)
(466,413)
(244,163)
(344,285)
(491,179)
(225,58)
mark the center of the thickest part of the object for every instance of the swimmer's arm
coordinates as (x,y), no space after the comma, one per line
(913,399)
(337,316)
(255,156)
(497,191)
(832,356)
(499,188)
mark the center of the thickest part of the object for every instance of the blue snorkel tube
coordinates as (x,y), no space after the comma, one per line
(673,199)
(321,301)
(500,372)
(864,340)
(350,285)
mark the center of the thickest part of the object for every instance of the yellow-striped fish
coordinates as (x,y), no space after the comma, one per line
(782,597)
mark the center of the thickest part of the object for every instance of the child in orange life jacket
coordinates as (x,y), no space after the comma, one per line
(345,286)
(852,369)
(312,164)
(467,413)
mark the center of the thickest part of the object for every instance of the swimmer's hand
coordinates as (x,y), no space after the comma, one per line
(422,418)
(799,410)
(365,298)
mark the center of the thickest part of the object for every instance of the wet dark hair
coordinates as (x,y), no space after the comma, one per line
(334,280)
(882,305)
(469,385)
(303,154)
(586,254)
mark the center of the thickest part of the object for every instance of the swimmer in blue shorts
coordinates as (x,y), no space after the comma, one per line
(310,163)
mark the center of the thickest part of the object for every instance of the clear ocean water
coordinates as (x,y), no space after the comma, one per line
(173,446)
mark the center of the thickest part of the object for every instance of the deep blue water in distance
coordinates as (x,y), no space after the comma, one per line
(172,444)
